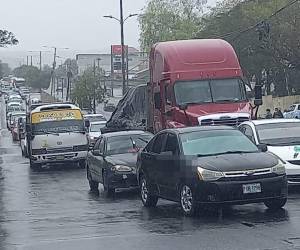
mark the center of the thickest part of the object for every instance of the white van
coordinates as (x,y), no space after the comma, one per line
(56,133)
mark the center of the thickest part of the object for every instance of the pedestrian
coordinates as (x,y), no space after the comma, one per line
(277,113)
(268,114)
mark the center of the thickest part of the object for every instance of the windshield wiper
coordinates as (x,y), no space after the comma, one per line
(227,152)
(71,131)
(47,133)
(195,103)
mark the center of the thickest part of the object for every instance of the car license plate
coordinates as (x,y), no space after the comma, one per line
(251,188)
(124,176)
(60,157)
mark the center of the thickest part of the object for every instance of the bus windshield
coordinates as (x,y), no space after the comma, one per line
(57,121)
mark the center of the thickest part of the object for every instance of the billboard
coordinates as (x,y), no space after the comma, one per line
(116,59)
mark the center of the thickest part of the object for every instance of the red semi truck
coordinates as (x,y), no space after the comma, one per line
(192,82)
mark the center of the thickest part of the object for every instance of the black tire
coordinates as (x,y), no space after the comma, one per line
(149,200)
(107,189)
(188,204)
(35,166)
(93,184)
(275,204)
(82,164)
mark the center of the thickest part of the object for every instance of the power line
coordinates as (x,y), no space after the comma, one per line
(241,31)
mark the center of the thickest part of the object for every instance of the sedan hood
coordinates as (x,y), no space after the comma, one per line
(238,162)
(128,159)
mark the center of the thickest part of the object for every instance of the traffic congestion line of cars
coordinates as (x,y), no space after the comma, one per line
(194,166)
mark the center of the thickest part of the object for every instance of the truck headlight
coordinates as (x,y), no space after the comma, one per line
(209,175)
(121,168)
(278,169)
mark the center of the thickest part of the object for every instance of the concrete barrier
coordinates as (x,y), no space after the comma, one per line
(277,102)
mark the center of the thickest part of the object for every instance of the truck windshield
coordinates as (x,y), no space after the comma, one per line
(63,126)
(209,91)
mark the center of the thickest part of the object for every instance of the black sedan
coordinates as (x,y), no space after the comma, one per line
(209,166)
(112,161)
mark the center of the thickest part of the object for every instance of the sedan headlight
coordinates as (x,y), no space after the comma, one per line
(278,169)
(121,168)
(209,175)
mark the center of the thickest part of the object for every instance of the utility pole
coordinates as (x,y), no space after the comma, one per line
(53,72)
(27,61)
(122,45)
(30,60)
(94,99)
(40,60)
(127,68)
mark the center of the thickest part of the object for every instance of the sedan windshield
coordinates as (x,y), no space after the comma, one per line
(283,133)
(206,143)
(208,91)
(127,143)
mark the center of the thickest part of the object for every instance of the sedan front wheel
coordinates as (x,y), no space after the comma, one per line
(148,199)
(187,201)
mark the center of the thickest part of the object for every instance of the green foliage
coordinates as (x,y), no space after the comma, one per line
(87,89)
(165,20)
(33,76)
(7,38)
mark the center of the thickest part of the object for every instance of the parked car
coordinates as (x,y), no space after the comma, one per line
(95,117)
(282,137)
(112,161)
(95,131)
(293,111)
(109,107)
(209,165)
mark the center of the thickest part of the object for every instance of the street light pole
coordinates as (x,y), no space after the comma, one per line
(123,49)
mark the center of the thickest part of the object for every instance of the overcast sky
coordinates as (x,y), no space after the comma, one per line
(76,24)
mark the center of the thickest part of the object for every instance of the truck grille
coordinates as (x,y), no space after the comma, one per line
(225,121)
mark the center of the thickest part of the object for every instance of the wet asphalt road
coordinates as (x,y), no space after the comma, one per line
(53,209)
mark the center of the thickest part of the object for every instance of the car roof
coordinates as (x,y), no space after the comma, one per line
(128,132)
(272,121)
(98,122)
(198,128)
(56,106)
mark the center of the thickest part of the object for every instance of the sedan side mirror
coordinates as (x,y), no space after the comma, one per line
(262,147)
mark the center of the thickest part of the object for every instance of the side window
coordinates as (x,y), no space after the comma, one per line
(168,93)
(149,146)
(172,144)
(298,107)
(249,133)
(102,146)
(158,143)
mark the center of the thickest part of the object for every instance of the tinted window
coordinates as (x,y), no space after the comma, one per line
(171,144)
(157,146)
(216,142)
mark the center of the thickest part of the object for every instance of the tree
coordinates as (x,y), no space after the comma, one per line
(87,90)
(33,76)
(165,20)
(265,39)
(7,38)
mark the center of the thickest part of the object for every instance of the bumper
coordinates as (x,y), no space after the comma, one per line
(293,173)
(231,192)
(59,158)
(121,180)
